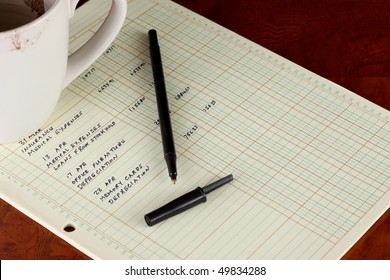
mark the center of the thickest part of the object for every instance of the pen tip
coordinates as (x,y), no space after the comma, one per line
(174,181)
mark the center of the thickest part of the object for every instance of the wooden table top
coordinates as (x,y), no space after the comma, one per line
(347,42)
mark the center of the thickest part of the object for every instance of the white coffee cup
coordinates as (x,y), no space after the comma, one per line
(34,62)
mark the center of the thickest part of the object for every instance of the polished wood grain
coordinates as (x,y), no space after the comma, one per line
(347,42)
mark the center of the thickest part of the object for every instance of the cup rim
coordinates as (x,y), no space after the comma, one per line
(34,22)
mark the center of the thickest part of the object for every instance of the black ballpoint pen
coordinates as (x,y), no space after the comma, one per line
(162,106)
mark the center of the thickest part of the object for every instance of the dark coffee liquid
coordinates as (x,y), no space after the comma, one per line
(15,15)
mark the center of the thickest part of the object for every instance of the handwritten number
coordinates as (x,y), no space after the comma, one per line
(137,69)
(110,49)
(191,132)
(97,191)
(209,106)
(182,93)
(137,104)
(106,85)
(89,73)
(46,157)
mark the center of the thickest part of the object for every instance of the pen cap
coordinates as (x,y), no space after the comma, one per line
(176,206)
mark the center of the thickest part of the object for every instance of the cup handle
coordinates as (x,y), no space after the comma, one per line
(98,43)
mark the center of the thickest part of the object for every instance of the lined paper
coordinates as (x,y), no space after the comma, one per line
(310,159)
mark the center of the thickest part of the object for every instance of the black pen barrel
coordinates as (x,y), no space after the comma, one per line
(161,94)
(176,206)
(184,202)
(217,184)
(162,105)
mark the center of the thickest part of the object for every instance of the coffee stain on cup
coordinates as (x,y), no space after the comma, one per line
(37,6)
(19,40)
(16,42)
